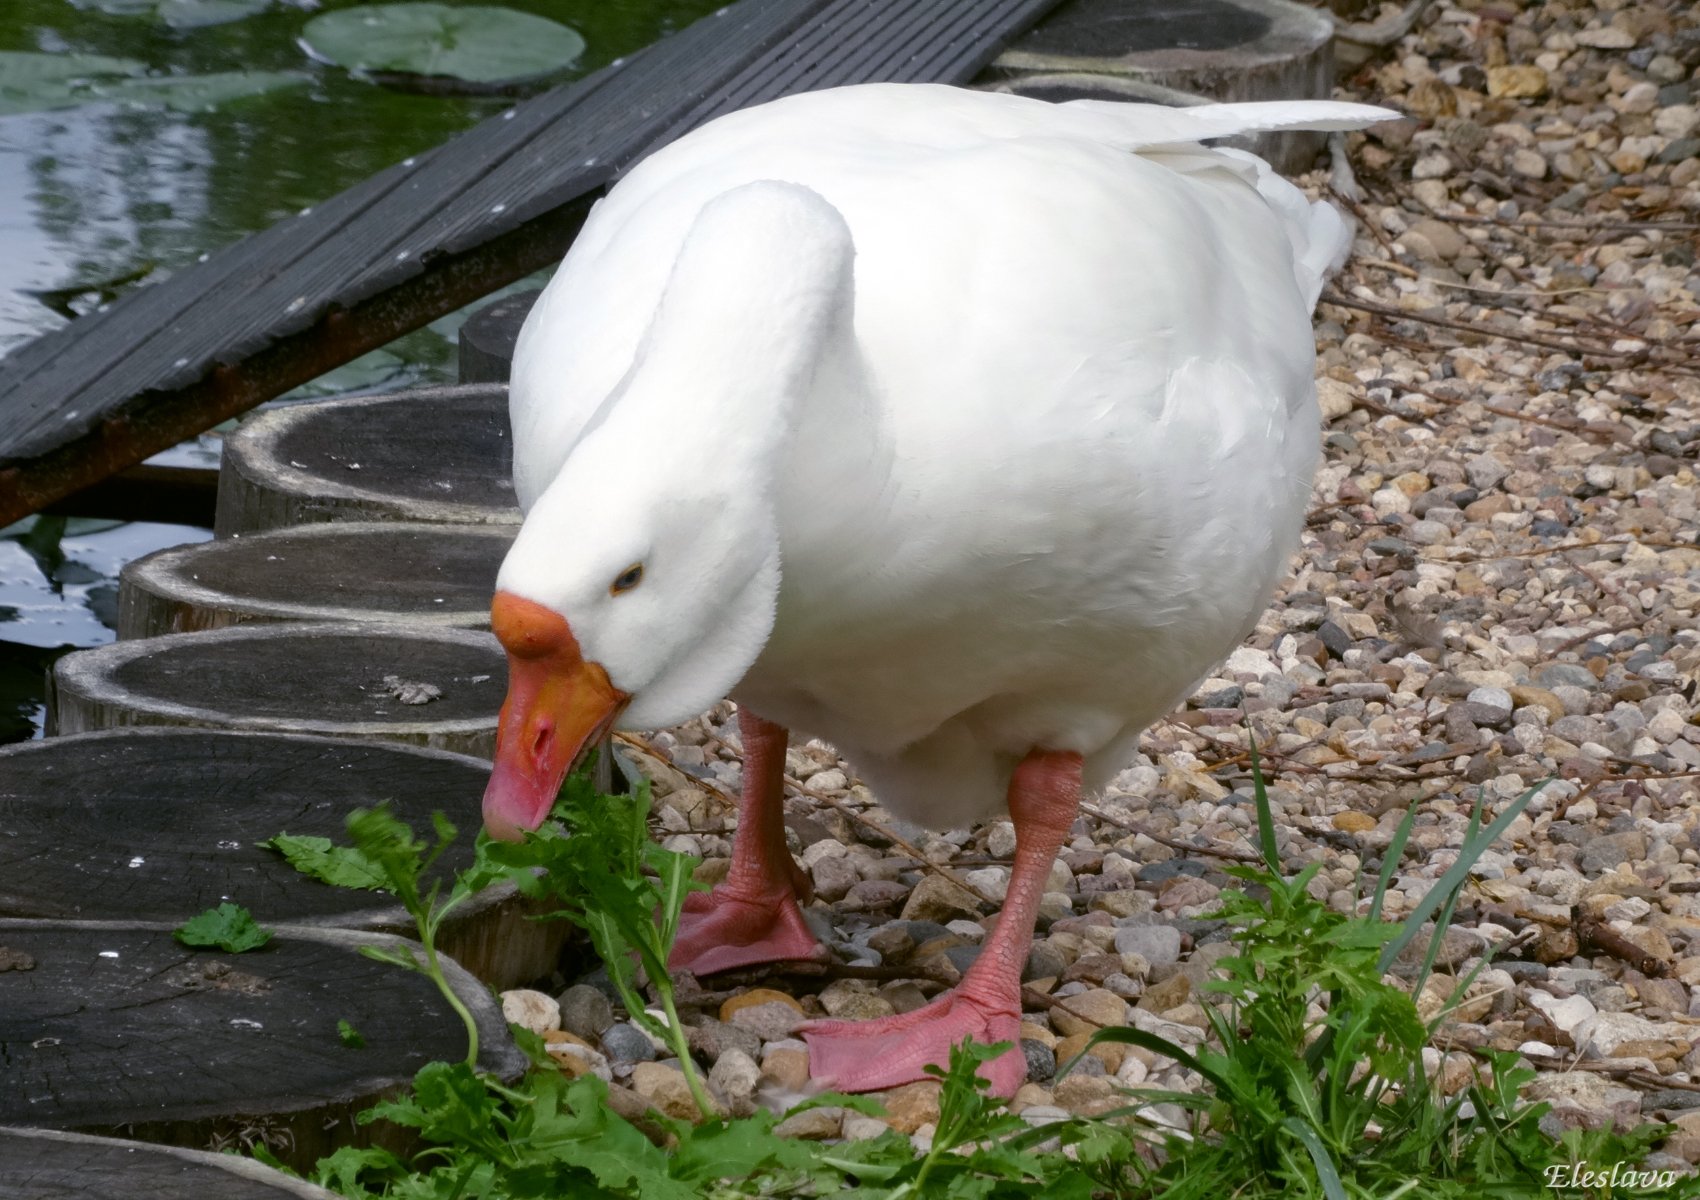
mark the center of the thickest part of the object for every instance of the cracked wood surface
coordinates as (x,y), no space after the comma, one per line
(370,571)
(162,824)
(439,454)
(114,1027)
(335,679)
(46,1164)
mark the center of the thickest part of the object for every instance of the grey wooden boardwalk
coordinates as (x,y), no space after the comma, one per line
(431,234)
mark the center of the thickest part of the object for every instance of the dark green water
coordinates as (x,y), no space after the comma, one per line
(100,198)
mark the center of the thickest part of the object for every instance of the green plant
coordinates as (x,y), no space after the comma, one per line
(386,856)
(594,858)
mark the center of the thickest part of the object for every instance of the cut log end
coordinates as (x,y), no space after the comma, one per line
(47,1164)
(1221,50)
(487,339)
(424,686)
(375,572)
(360,460)
(116,1028)
(162,824)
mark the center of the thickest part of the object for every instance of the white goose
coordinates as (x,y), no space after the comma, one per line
(963,430)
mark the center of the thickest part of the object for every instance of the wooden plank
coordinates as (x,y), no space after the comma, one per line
(425,237)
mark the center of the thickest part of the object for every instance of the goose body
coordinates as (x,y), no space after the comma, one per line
(955,428)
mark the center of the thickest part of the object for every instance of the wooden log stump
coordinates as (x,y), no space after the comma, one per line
(415,684)
(115,1028)
(442,455)
(46,1164)
(1216,49)
(161,824)
(388,572)
(487,338)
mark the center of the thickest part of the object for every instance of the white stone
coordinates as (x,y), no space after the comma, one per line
(736,1077)
(1677,121)
(1605,1032)
(1431,166)
(1609,38)
(1335,398)
(1567,1013)
(531,1010)
(990,882)
(1666,725)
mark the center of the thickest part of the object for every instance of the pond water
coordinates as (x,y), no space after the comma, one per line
(101,197)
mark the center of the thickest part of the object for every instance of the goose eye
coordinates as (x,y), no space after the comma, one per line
(627,580)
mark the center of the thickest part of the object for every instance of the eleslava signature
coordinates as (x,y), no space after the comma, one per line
(1618,1175)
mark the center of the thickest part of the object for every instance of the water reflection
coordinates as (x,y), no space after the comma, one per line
(100,199)
(107,197)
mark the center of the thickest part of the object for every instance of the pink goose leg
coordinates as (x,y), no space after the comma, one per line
(753,916)
(863,1056)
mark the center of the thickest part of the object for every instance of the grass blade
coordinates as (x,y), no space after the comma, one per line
(1390,862)
(1150,1041)
(1455,875)
(1265,817)
(1319,1157)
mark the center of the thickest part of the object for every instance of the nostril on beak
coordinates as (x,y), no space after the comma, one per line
(542,739)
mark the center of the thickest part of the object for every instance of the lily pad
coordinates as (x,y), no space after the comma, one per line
(479,45)
(31,82)
(192,14)
(197,93)
(183,14)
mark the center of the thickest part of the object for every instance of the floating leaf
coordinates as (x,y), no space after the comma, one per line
(192,14)
(196,93)
(183,14)
(478,44)
(30,82)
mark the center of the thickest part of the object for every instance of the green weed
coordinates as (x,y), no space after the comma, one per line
(1313,1086)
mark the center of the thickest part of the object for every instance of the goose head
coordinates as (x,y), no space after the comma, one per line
(644,581)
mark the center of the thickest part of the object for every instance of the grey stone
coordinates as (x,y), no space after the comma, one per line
(736,1077)
(1158,872)
(1491,698)
(585,1011)
(1612,849)
(769,1022)
(1044,961)
(1485,471)
(1159,945)
(712,1038)
(1335,639)
(624,1043)
(1041,1060)
(834,876)
(1572,674)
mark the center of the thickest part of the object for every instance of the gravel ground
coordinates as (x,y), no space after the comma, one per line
(1498,587)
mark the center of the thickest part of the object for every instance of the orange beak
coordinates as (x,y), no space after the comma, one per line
(558,705)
